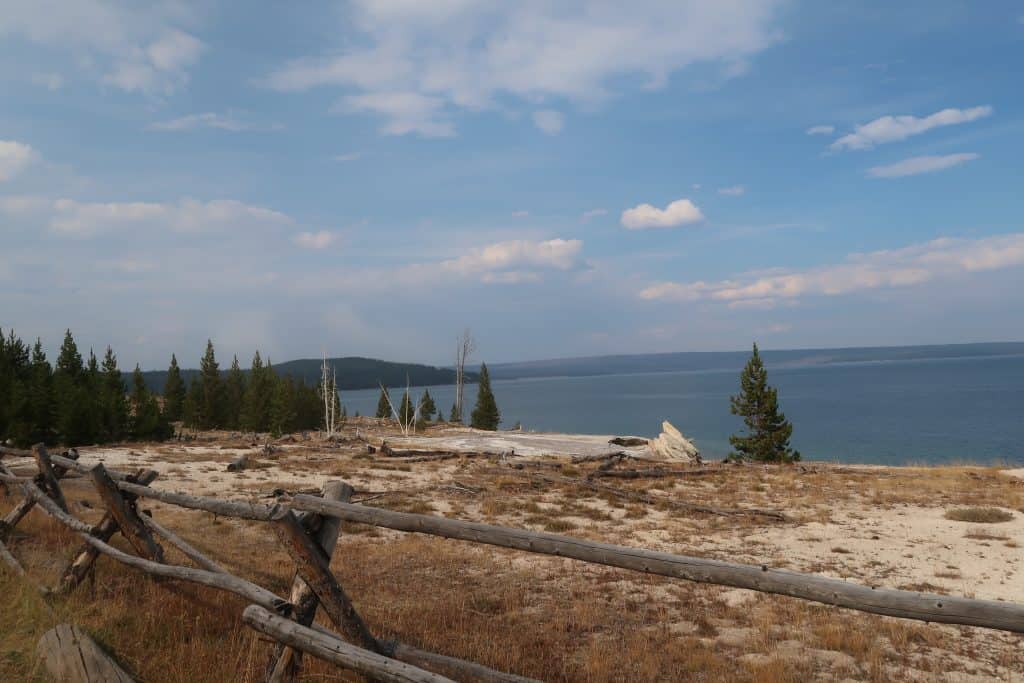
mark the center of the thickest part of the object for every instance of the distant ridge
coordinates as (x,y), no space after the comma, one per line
(353,373)
(710,361)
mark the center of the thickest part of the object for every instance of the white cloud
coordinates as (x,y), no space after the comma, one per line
(734,191)
(314,240)
(517,256)
(919,165)
(549,121)
(821,130)
(679,212)
(73,218)
(350,156)
(592,213)
(404,112)
(131,46)
(895,128)
(912,265)
(14,158)
(467,55)
(213,120)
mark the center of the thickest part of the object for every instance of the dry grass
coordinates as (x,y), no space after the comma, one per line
(979,515)
(544,617)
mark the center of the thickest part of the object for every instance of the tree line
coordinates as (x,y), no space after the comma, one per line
(485,415)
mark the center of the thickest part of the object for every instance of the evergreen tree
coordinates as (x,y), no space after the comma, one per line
(485,414)
(427,406)
(453,416)
(40,397)
(212,411)
(383,406)
(148,422)
(72,393)
(234,395)
(174,392)
(308,406)
(259,392)
(15,384)
(282,408)
(112,406)
(192,409)
(767,429)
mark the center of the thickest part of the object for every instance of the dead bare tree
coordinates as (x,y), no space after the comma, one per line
(463,350)
(329,391)
(407,423)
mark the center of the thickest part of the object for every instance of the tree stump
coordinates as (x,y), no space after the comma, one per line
(71,656)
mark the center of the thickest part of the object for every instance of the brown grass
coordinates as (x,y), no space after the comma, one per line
(979,515)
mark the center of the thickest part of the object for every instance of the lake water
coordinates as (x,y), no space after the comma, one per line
(891,412)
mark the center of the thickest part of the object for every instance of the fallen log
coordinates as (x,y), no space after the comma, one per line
(181,544)
(993,614)
(335,650)
(224,508)
(126,515)
(653,473)
(71,656)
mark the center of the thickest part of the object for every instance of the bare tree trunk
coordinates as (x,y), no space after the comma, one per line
(463,350)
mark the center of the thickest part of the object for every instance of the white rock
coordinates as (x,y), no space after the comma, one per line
(672,445)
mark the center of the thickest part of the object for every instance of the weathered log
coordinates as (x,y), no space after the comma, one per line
(181,544)
(313,566)
(628,441)
(336,651)
(452,667)
(653,473)
(49,478)
(993,614)
(125,514)
(239,463)
(285,662)
(218,580)
(30,490)
(11,561)
(224,508)
(71,656)
(79,567)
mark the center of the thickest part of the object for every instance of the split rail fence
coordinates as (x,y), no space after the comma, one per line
(308,527)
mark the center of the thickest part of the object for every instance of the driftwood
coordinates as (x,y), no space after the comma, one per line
(286,661)
(239,463)
(896,603)
(628,441)
(71,656)
(336,651)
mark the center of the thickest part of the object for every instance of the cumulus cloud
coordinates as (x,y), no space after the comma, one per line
(463,55)
(821,130)
(895,128)
(72,218)
(734,191)
(517,256)
(227,122)
(14,158)
(912,265)
(314,240)
(549,121)
(679,212)
(919,165)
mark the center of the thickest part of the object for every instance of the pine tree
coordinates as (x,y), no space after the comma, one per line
(453,416)
(112,406)
(383,406)
(174,392)
(15,381)
(41,399)
(234,394)
(767,429)
(212,415)
(282,408)
(258,394)
(72,397)
(147,423)
(485,414)
(427,406)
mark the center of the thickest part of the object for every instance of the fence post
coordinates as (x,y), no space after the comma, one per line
(48,479)
(286,661)
(313,566)
(78,568)
(125,515)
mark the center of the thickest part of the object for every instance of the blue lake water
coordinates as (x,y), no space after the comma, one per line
(889,412)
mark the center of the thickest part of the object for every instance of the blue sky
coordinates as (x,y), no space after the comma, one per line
(573,178)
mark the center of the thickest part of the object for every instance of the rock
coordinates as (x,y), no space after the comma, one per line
(672,445)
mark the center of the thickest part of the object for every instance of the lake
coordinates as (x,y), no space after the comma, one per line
(887,412)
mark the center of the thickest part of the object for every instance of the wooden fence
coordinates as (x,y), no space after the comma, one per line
(308,527)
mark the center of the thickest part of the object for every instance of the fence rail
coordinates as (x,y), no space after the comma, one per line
(307,526)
